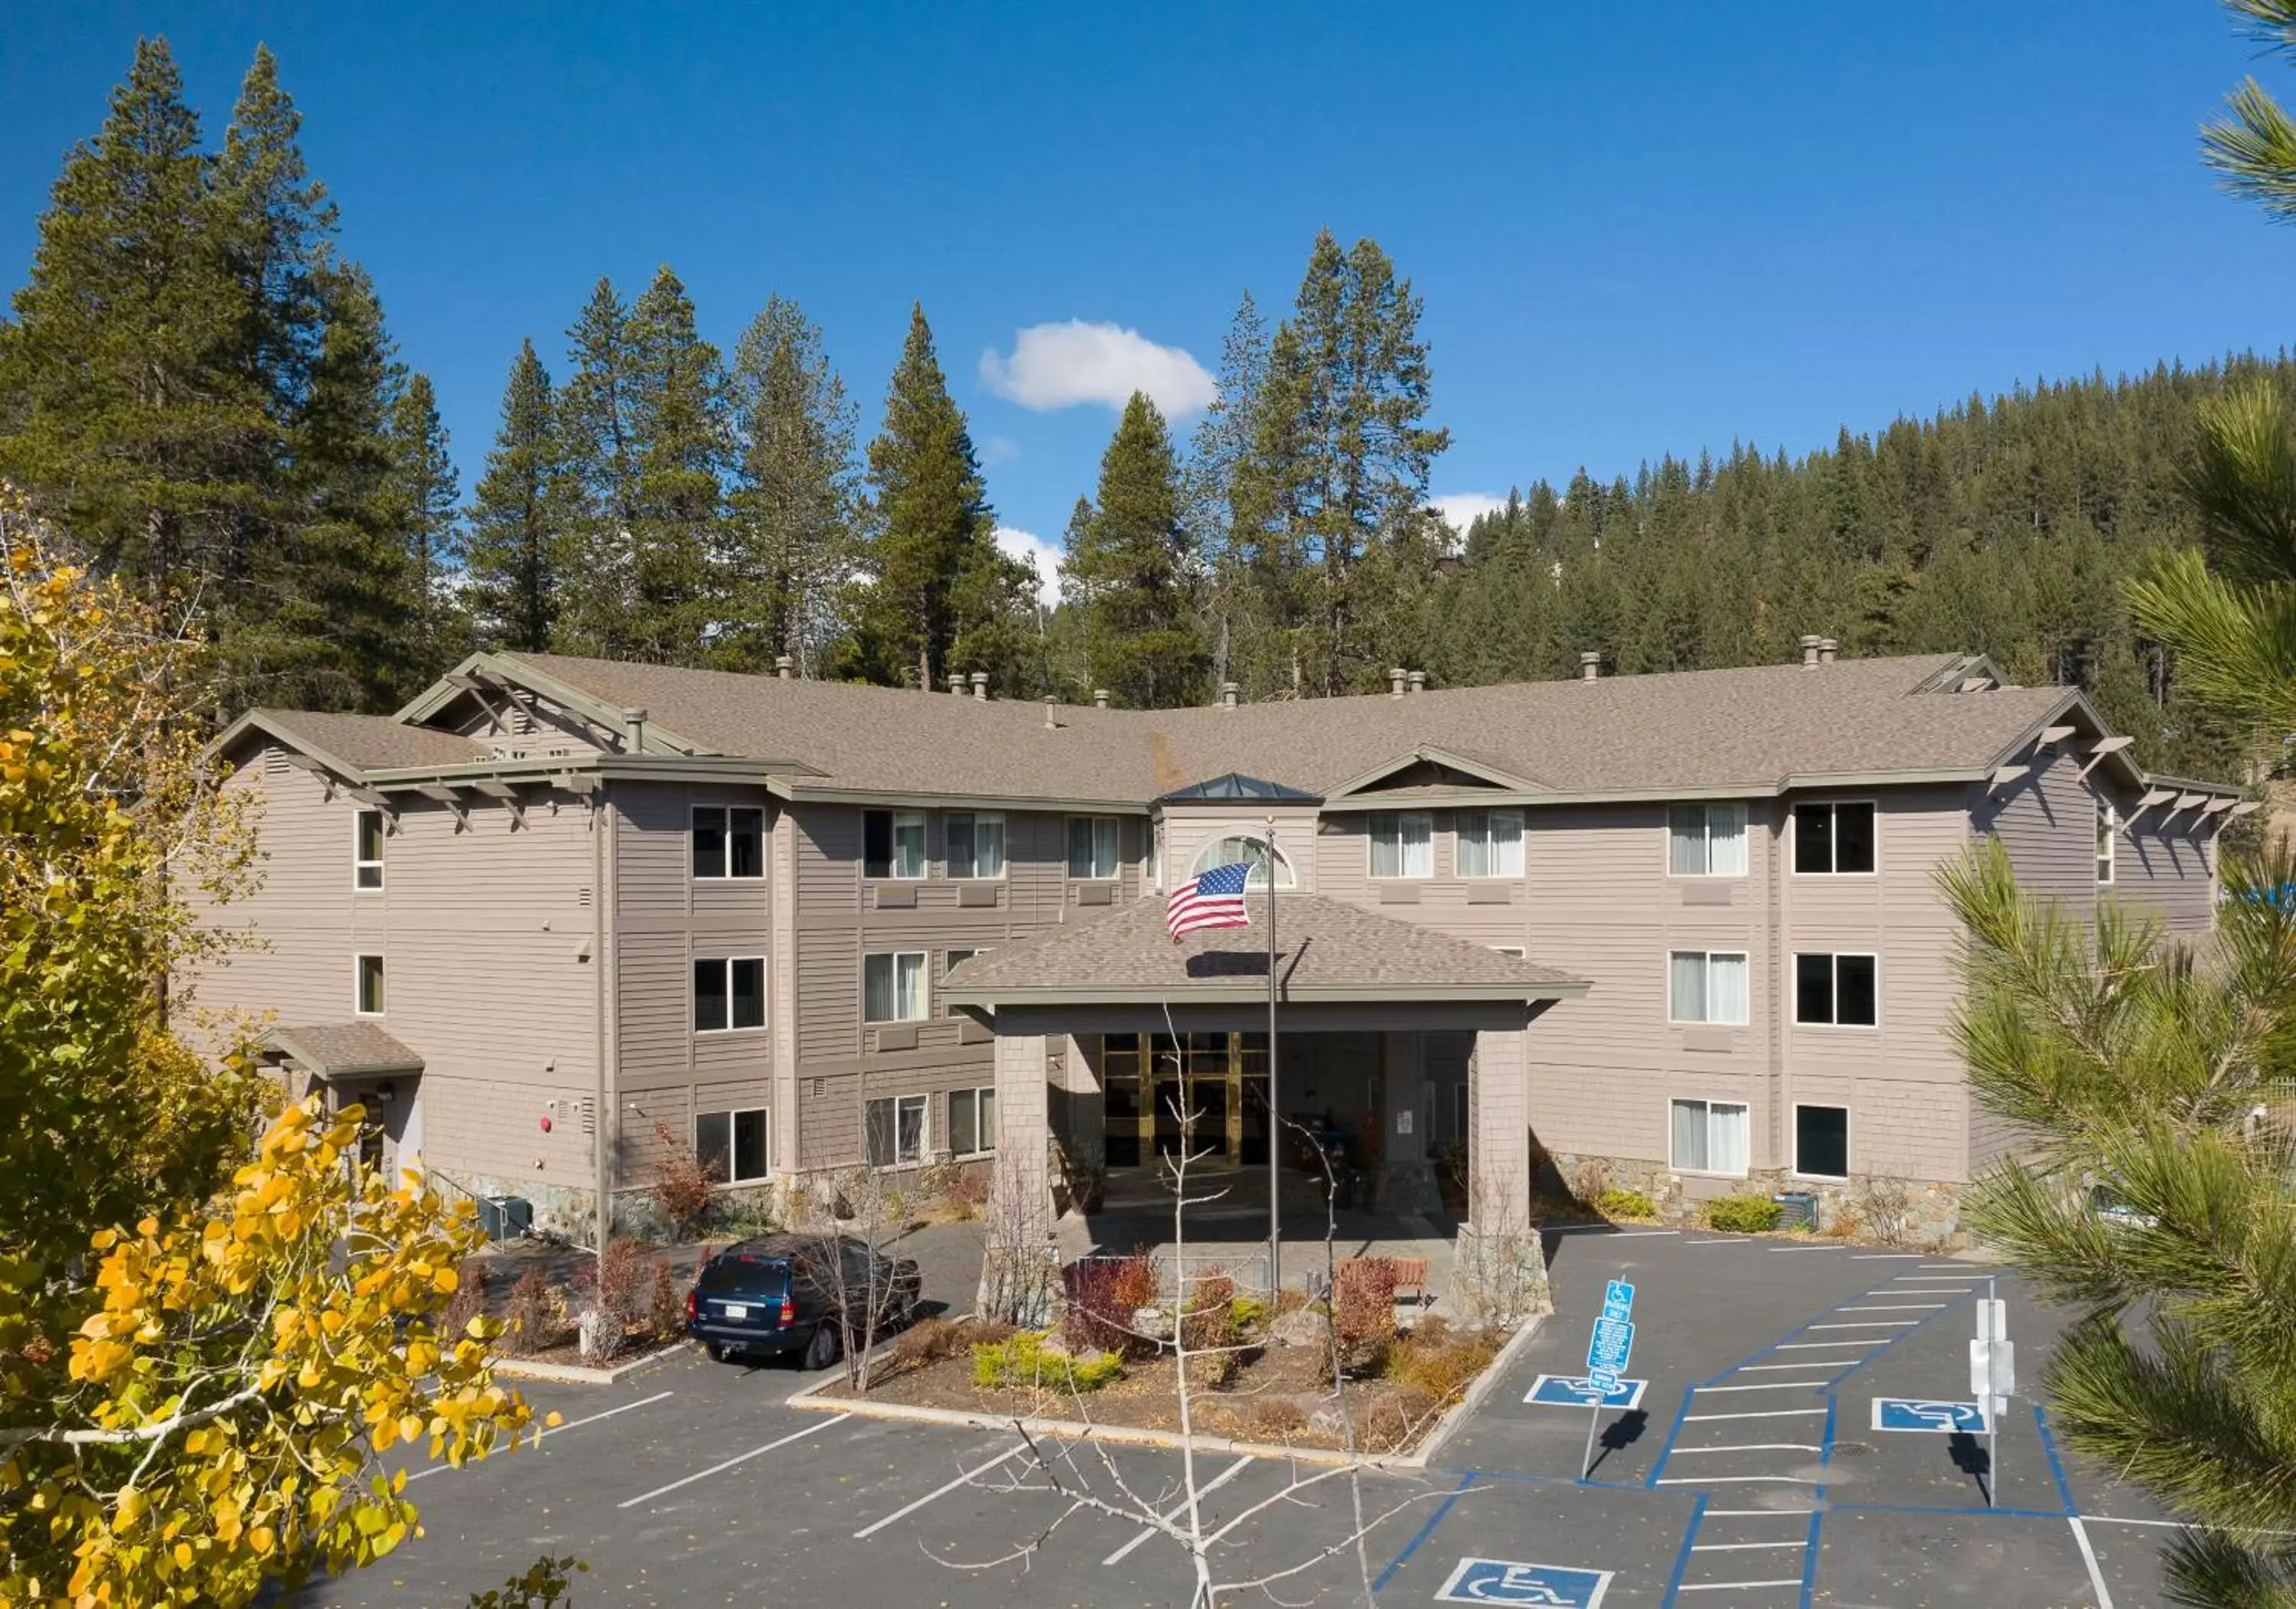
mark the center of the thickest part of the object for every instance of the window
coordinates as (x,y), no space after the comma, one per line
(893,987)
(728,842)
(367,972)
(976,844)
(366,857)
(1509,949)
(731,1146)
(1091,847)
(950,961)
(1822,1141)
(1835,989)
(729,994)
(2108,824)
(1709,1136)
(973,1121)
(1459,1110)
(1704,987)
(1706,841)
(1227,851)
(1834,839)
(1403,844)
(893,844)
(1490,843)
(897,1131)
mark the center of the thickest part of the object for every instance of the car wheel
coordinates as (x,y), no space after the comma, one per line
(717,1351)
(825,1347)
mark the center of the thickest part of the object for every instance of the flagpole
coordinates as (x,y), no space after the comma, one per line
(1275,1136)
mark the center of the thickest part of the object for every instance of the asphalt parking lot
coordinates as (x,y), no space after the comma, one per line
(1749,1471)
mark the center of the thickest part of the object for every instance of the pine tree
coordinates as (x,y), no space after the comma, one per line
(1218,454)
(791,540)
(940,594)
(1131,571)
(597,451)
(512,562)
(677,406)
(425,494)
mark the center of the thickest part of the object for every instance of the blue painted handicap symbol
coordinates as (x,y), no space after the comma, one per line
(1920,1415)
(1610,1345)
(1501,1582)
(1577,1391)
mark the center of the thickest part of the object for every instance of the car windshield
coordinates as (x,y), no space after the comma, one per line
(738,1272)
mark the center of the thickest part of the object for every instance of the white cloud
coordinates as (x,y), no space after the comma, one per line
(1039,555)
(1058,365)
(998,450)
(1461,509)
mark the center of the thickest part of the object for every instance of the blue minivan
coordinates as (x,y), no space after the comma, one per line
(786,1293)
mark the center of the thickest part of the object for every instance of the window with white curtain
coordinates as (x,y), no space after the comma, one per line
(1092,848)
(731,1145)
(1403,844)
(1490,843)
(897,1131)
(1227,851)
(1705,986)
(1706,841)
(1709,1136)
(2107,825)
(893,844)
(976,844)
(893,987)
(972,1120)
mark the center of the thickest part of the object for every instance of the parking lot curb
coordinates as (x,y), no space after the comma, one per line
(581,1373)
(815,1398)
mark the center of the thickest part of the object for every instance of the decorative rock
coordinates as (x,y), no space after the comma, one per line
(1301,1327)
(1154,1323)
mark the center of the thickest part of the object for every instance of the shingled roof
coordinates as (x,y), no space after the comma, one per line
(371,743)
(335,1050)
(1324,951)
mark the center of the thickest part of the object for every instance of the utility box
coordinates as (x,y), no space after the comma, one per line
(505,1217)
(1801,1210)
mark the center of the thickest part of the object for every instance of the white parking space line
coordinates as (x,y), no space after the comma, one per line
(1746,1546)
(1768,1385)
(1009,1454)
(1752,1447)
(2106,1519)
(755,1452)
(1958,1267)
(1867,1324)
(1743,1240)
(554,1430)
(1812,1346)
(1756,1513)
(2088,1557)
(1766,1413)
(1802,1249)
(1732,1585)
(1887,1257)
(1899,1306)
(1774,1368)
(1583,1229)
(1218,1481)
(1737,1481)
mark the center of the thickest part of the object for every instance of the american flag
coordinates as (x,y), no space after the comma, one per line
(1212,899)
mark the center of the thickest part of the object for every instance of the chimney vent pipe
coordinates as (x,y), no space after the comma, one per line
(783,664)
(1810,646)
(636,718)
(1827,649)
(1418,681)
(957,683)
(1395,680)
(1590,665)
(1050,705)
(1227,696)
(1100,698)
(980,685)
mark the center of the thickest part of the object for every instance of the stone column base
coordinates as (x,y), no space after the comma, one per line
(1406,1186)
(1499,1278)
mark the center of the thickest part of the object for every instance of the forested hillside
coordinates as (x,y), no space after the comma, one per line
(199,388)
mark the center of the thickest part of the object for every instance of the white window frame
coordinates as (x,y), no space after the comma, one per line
(1836,956)
(950,959)
(1848,1136)
(1459,819)
(2107,834)
(1710,1103)
(1793,846)
(360,1007)
(895,821)
(1114,828)
(1709,956)
(1257,878)
(726,964)
(1706,809)
(924,986)
(975,818)
(726,842)
(922,1105)
(733,1116)
(359,864)
(1371,845)
(972,1097)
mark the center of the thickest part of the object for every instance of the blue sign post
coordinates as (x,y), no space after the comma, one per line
(1609,1350)
(1504,1581)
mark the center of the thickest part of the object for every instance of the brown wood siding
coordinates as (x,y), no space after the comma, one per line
(2048,822)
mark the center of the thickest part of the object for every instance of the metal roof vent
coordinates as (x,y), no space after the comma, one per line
(784,665)
(636,718)
(1418,681)
(1809,647)
(1227,696)
(980,685)
(957,683)
(1590,665)
(1100,698)
(1396,678)
(1827,647)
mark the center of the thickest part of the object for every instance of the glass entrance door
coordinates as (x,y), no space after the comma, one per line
(1217,1081)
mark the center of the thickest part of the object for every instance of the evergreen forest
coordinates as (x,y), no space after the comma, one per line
(200,388)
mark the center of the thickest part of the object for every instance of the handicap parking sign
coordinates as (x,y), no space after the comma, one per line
(1610,1347)
(1580,1391)
(1504,1581)
(1920,1415)
(1618,1301)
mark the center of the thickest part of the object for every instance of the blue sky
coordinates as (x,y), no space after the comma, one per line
(1638,230)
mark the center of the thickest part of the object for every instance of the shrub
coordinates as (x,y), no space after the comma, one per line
(1095,1317)
(1441,1364)
(1393,1418)
(1208,1329)
(1022,1360)
(1362,1313)
(535,1316)
(619,1286)
(926,1341)
(664,1305)
(683,1186)
(1625,1204)
(1432,1330)
(1247,1312)
(1744,1214)
(1289,1301)
(468,1302)
(1275,1418)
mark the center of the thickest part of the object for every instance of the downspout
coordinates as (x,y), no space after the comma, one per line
(601,1130)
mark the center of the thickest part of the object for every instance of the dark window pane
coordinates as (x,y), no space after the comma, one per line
(988,1118)
(1813,838)
(370,875)
(880,1132)
(961,1133)
(1079,847)
(713,1143)
(961,857)
(1853,838)
(708,843)
(708,995)
(1813,988)
(749,993)
(747,841)
(876,843)
(370,985)
(1853,991)
(749,1143)
(1821,1140)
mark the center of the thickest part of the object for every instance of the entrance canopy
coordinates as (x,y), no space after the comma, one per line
(343,1050)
